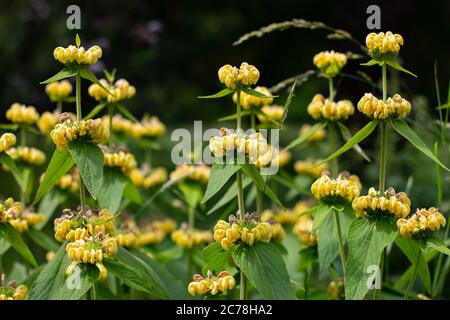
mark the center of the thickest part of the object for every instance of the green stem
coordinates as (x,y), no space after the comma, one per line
(243,287)
(332,138)
(384,80)
(331,89)
(79,118)
(438,270)
(23,143)
(413,278)
(306,284)
(259,199)
(111,115)
(238,109)
(253,120)
(119,288)
(383,156)
(94,292)
(240,195)
(59,107)
(341,241)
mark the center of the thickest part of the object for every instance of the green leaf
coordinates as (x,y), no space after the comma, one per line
(63,74)
(404,130)
(229,195)
(234,116)
(13,236)
(347,136)
(89,159)
(219,94)
(192,192)
(123,110)
(95,111)
(12,127)
(305,135)
(136,274)
(87,74)
(111,190)
(251,171)
(395,65)
(132,193)
(366,242)
(370,63)
(320,212)
(308,256)
(437,244)
(60,163)
(264,267)
(220,174)
(357,138)
(18,176)
(43,284)
(77,40)
(288,103)
(216,258)
(411,250)
(43,240)
(257,94)
(328,243)
(49,203)
(4,246)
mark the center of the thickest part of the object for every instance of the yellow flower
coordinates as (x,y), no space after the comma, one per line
(310,167)
(421,224)
(330,110)
(303,229)
(120,90)
(343,189)
(188,239)
(199,173)
(69,130)
(276,228)
(58,90)
(384,46)
(28,155)
(271,113)
(7,140)
(26,220)
(47,122)
(149,126)
(248,101)
(10,210)
(141,178)
(392,108)
(389,203)
(70,181)
(77,55)
(232,77)
(21,114)
(281,158)
(319,135)
(211,285)
(337,290)
(330,63)
(122,160)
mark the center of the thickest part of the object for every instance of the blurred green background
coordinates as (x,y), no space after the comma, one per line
(171,51)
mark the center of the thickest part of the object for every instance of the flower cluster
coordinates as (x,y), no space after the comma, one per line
(388,204)
(58,90)
(21,114)
(281,158)
(393,107)
(48,120)
(187,238)
(303,229)
(27,219)
(10,209)
(319,135)
(90,235)
(271,113)
(337,290)
(290,217)
(69,130)
(330,63)
(27,155)
(233,77)
(120,159)
(248,230)
(120,90)
(77,55)
(277,229)
(421,224)
(383,46)
(211,285)
(249,101)
(149,126)
(13,292)
(199,173)
(147,178)
(7,140)
(70,181)
(331,191)
(313,168)
(330,110)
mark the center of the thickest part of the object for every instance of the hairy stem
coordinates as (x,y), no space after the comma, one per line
(414,275)
(331,89)
(59,106)
(341,241)
(79,117)
(383,157)
(332,140)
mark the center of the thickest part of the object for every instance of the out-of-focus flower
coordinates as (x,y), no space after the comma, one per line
(251,102)
(330,110)
(310,167)
(58,90)
(7,140)
(319,135)
(21,114)
(199,173)
(31,156)
(303,229)
(271,113)
(118,91)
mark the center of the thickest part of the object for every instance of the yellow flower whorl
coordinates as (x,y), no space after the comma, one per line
(125,161)
(199,173)
(10,210)
(343,189)
(58,90)
(422,223)
(389,203)
(28,155)
(73,54)
(188,239)
(120,90)
(21,114)
(394,107)
(246,75)
(310,167)
(7,140)
(248,101)
(140,178)
(303,229)
(330,63)
(274,113)
(383,46)
(211,285)
(319,135)
(333,111)
(277,230)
